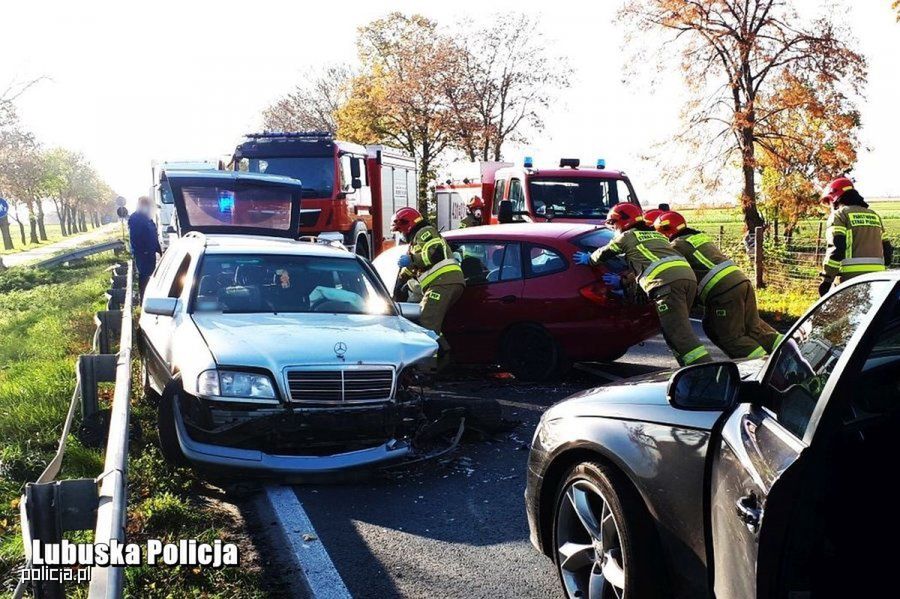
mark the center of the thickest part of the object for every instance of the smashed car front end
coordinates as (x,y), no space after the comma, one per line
(302,411)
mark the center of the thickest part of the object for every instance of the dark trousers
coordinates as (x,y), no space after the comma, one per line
(142,285)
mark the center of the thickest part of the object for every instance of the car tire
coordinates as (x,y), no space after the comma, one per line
(530,353)
(362,246)
(168,435)
(616,355)
(631,544)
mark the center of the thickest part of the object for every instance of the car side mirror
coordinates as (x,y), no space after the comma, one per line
(356,183)
(161,306)
(410,311)
(705,387)
(505,211)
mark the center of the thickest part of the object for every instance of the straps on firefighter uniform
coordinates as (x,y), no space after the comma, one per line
(716,273)
(444,266)
(434,258)
(855,243)
(658,266)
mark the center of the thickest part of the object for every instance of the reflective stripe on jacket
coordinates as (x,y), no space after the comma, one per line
(433,260)
(715,271)
(861,250)
(649,255)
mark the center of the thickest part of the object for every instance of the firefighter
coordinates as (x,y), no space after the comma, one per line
(730,317)
(855,236)
(430,260)
(474,212)
(661,272)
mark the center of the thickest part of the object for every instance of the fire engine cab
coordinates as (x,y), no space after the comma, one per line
(569,193)
(350,191)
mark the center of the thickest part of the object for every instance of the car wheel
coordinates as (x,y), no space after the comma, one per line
(604,542)
(149,392)
(530,353)
(168,435)
(615,356)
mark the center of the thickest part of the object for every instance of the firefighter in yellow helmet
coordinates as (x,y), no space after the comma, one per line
(662,273)
(430,260)
(855,236)
(731,319)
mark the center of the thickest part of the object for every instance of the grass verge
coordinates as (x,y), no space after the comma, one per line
(46,321)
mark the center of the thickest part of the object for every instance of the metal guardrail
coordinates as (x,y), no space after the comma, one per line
(116,245)
(50,507)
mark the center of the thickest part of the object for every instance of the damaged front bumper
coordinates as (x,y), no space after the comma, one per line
(221,456)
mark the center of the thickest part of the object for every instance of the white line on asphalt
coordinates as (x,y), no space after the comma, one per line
(309,553)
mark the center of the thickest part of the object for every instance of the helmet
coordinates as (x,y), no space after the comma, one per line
(834,190)
(651,215)
(625,215)
(669,223)
(475,203)
(405,219)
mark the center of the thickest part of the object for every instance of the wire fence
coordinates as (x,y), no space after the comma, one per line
(786,261)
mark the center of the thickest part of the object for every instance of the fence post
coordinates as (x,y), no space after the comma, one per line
(776,232)
(758,259)
(819,242)
(721,235)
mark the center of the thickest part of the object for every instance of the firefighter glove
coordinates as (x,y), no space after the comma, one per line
(613,280)
(404,261)
(582,258)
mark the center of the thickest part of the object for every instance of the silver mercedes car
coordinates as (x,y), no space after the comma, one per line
(271,354)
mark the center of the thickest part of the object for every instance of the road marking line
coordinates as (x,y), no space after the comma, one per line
(322,578)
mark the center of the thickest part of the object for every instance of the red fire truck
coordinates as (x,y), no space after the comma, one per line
(350,191)
(569,193)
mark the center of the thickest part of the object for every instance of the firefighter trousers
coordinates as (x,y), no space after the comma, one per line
(673,306)
(732,322)
(436,302)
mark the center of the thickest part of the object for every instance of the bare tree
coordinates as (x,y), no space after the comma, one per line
(731,54)
(313,103)
(501,84)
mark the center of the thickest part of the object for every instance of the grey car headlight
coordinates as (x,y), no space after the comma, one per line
(242,386)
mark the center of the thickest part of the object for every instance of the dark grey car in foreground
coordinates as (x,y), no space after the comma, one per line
(768,478)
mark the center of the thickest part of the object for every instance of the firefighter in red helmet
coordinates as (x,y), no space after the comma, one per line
(474,213)
(731,319)
(662,273)
(430,260)
(855,236)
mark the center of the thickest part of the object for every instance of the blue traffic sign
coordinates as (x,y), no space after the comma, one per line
(4,208)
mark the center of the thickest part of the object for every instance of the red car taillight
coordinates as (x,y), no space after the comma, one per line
(596,292)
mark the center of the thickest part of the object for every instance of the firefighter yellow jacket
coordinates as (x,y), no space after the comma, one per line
(855,242)
(715,272)
(649,255)
(433,260)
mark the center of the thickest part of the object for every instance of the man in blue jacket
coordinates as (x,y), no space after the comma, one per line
(144,242)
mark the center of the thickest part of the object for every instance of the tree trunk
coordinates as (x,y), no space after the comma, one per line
(424,176)
(70,218)
(22,231)
(32,224)
(42,230)
(61,215)
(752,217)
(82,220)
(4,231)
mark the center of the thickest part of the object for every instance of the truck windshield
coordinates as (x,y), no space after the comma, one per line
(243,283)
(572,197)
(315,172)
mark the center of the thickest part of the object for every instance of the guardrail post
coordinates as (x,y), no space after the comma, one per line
(43,526)
(109,328)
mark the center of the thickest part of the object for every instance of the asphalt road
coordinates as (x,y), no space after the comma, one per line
(456,528)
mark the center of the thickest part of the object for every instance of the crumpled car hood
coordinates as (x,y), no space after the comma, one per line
(274,341)
(643,399)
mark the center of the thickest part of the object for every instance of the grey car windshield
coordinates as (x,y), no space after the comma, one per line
(575,197)
(315,172)
(275,283)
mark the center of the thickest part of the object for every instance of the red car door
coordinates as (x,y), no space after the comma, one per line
(493,272)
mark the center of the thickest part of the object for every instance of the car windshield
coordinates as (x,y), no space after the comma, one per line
(251,206)
(572,197)
(315,172)
(274,283)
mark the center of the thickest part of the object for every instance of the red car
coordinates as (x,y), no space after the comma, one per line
(527,306)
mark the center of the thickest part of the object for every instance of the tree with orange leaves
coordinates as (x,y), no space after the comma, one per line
(734,54)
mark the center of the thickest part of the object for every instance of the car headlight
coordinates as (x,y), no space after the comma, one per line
(239,385)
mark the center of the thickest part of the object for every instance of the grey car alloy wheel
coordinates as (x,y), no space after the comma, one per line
(591,562)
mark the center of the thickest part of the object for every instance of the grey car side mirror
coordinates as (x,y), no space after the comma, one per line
(410,311)
(705,387)
(161,306)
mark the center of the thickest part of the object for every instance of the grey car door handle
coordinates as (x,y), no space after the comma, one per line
(748,510)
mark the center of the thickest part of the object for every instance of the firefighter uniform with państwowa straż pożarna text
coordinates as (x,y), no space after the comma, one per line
(668,280)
